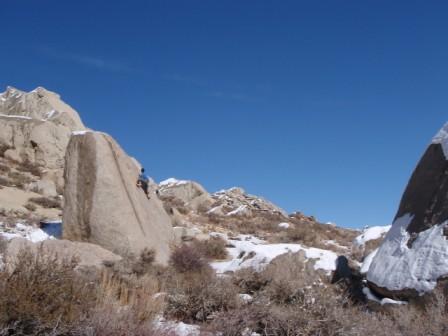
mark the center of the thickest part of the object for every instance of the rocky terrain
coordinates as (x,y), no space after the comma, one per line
(192,262)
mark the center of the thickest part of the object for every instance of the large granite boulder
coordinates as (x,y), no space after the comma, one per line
(104,206)
(414,253)
(35,127)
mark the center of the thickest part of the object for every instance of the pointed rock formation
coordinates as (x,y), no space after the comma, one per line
(414,253)
(104,206)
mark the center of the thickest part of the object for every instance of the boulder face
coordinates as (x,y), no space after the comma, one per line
(35,127)
(414,253)
(104,206)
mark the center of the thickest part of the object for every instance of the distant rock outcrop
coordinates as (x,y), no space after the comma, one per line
(414,253)
(35,127)
(190,193)
(236,202)
(104,206)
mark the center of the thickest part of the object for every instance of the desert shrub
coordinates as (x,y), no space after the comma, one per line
(18,179)
(3,149)
(108,322)
(249,280)
(145,261)
(4,182)
(43,289)
(212,248)
(197,297)
(30,206)
(4,169)
(46,202)
(186,258)
(302,233)
(30,167)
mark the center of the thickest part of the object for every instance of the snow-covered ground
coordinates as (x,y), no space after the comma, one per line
(24,231)
(176,328)
(371,233)
(249,251)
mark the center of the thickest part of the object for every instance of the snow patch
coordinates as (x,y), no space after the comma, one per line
(82,132)
(12,116)
(245,298)
(371,233)
(172,182)
(372,297)
(284,225)
(398,267)
(252,252)
(442,138)
(33,234)
(242,209)
(176,328)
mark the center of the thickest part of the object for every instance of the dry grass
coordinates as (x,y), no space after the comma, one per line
(30,167)
(46,202)
(30,206)
(4,182)
(3,149)
(144,263)
(4,169)
(315,234)
(42,294)
(18,179)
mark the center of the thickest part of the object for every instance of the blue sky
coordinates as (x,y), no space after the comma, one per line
(320,106)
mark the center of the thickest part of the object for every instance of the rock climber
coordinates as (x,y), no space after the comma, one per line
(143,182)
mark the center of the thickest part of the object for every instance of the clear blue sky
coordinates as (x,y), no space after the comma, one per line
(320,106)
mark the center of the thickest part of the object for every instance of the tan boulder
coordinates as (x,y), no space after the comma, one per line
(87,255)
(44,187)
(12,154)
(191,193)
(104,206)
(37,126)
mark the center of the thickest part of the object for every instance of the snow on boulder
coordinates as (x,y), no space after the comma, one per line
(368,261)
(414,253)
(371,233)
